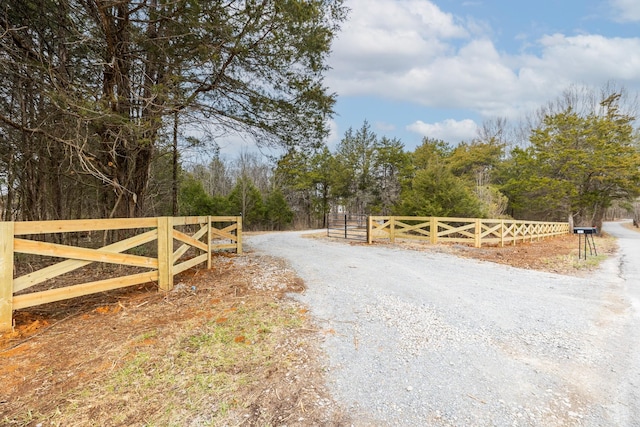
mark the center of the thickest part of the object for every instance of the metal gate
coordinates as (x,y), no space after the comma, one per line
(347,226)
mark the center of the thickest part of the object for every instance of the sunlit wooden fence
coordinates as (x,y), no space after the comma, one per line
(473,231)
(176,244)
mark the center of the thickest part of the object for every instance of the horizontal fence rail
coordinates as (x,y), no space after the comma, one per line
(176,240)
(473,231)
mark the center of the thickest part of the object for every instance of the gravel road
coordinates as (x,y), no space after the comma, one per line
(423,338)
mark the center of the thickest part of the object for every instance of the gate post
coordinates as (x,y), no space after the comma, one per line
(6,275)
(369,229)
(345,226)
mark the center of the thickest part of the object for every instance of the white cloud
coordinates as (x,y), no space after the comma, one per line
(475,77)
(452,131)
(387,36)
(627,10)
(587,58)
(411,51)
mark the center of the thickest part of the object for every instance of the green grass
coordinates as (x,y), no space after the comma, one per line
(193,369)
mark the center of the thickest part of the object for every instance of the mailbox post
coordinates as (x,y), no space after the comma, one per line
(587,232)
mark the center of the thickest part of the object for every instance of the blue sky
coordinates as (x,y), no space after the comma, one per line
(416,68)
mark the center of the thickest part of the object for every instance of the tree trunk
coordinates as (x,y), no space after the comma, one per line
(174,175)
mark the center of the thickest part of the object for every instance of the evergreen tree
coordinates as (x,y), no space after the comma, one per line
(193,199)
(577,164)
(355,180)
(434,190)
(391,171)
(475,164)
(307,182)
(278,213)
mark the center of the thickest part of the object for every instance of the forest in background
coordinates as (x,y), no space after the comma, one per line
(575,157)
(102,99)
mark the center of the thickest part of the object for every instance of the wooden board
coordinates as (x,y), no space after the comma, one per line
(225,233)
(39,276)
(67,226)
(74,252)
(58,294)
(179,268)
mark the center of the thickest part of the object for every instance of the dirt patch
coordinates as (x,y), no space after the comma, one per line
(556,255)
(225,347)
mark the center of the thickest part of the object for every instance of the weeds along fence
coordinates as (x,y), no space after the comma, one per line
(473,231)
(146,249)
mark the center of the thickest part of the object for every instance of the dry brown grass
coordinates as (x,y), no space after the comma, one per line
(224,348)
(556,255)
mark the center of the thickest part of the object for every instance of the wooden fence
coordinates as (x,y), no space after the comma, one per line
(219,233)
(462,230)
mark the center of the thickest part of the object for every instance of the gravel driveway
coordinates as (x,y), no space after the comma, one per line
(423,338)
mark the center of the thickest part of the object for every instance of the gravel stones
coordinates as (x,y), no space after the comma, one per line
(431,339)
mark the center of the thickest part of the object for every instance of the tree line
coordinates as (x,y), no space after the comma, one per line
(578,157)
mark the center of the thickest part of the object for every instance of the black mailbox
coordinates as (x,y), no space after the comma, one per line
(585,230)
(588,233)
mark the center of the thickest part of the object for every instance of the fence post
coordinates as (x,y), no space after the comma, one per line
(165,253)
(239,235)
(502,233)
(392,229)
(369,229)
(478,233)
(433,230)
(209,242)
(6,275)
